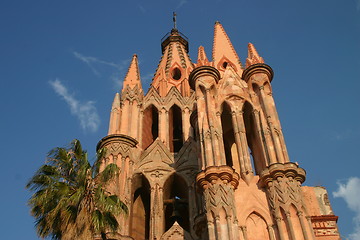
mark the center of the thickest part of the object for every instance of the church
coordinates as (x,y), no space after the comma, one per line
(202,154)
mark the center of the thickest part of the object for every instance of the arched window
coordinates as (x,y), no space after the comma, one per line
(140,214)
(228,135)
(150,126)
(253,138)
(175,129)
(176,202)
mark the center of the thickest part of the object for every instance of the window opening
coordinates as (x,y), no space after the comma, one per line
(175,129)
(228,134)
(176,203)
(150,126)
(176,73)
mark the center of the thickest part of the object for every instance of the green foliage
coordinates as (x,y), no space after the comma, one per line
(70,200)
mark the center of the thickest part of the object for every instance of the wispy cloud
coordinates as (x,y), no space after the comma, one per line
(141,7)
(91,61)
(117,72)
(350,192)
(344,134)
(85,112)
(181,3)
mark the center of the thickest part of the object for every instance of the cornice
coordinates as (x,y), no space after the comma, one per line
(258,68)
(117,137)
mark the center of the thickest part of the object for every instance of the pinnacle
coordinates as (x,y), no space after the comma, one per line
(202,58)
(116,102)
(253,56)
(133,75)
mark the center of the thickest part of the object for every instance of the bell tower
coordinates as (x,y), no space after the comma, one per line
(202,154)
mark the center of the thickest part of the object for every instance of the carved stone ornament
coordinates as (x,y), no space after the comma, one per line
(120,139)
(213,174)
(283,182)
(325,225)
(176,232)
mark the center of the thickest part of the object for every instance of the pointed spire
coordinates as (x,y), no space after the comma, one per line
(253,56)
(114,124)
(132,78)
(223,51)
(202,58)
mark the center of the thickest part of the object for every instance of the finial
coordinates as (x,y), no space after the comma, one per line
(174,19)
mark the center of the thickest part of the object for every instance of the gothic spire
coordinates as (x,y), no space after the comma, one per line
(253,56)
(223,51)
(132,78)
(202,58)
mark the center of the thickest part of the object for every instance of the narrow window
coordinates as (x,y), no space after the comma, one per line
(253,139)
(150,126)
(228,134)
(175,129)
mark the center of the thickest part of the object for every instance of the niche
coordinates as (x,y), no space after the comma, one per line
(150,126)
(175,129)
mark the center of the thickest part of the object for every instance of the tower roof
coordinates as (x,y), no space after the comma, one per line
(175,63)
(223,50)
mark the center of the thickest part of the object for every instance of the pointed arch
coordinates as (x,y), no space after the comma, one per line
(256,227)
(150,126)
(176,202)
(140,209)
(295,221)
(175,129)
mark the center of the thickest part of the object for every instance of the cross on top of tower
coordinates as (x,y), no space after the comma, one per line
(174,19)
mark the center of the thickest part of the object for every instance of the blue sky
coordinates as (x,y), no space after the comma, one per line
(61,62)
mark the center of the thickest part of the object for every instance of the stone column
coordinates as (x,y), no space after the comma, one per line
(120,147)
(262,74)
(247,171)
(218,184)
(185,123)
(283,186)
(203,80)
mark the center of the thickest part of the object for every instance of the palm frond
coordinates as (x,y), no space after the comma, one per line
(70,199)
(110,171)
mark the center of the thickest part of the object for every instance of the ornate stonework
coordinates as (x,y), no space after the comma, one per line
(202,154)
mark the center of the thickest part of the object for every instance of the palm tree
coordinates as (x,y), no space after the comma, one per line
(70,199)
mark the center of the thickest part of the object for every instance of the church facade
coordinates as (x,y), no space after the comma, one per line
(202,154)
